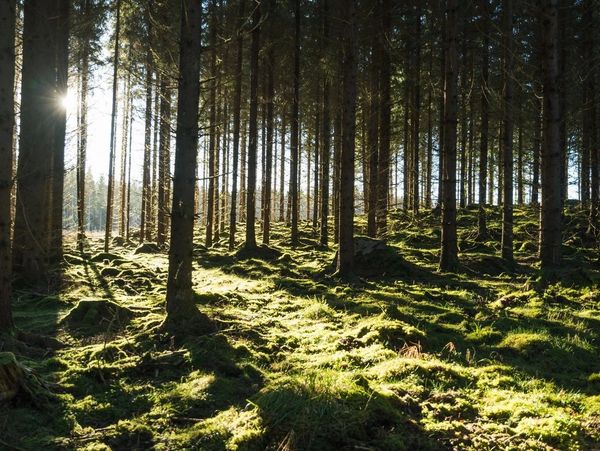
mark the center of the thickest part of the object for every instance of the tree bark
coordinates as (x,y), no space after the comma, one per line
(253,132)
(180,296)
(113,133)
(449,252)
(550,215)
(507,138)
(485,107)
(237,112)
(31,243)
(295,145)
(345,263)
(7,120)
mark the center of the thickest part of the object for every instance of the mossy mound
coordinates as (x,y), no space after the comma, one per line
(102,256)
(262,252)
(92,316)
(374,258)
(147,248)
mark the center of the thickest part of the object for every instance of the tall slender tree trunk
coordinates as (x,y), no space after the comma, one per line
(58,158)
(237,107)
(325,134)
(345,262)
(146,191)
(181,309)
(550,214)
(124,144)
(416,114)
(282,170)
(295,144)
(507,138)
(113,134)
(253,132)
(164,163)
(385,108)
(82,142)
(449,252)
(485,108)
(373,127)
(270,126)
(212,146)
(7,118)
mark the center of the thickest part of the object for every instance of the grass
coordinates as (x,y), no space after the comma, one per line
(486,358)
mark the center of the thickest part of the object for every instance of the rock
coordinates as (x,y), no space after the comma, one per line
(92,316)
(147,248)
(364,246)
(109,271)
(119,241)
(373,258)
(102,256)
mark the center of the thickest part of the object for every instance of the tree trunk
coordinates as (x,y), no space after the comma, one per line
(164,163)
(449,252)
(113,133)
(295,145)
(253,132)
(507,138)
(282,170)
(325,134)
(385,108)
(7,119)
(146,192)
(212,145)
(345,261)
(58,169)
(550,215)
(416,114)
(237,112)
(180,296)
(31,241)
(127,101)
(373,128)
(82,142)
(485,108)
(270,126)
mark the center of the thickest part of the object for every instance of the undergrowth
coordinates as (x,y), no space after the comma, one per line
(492,357)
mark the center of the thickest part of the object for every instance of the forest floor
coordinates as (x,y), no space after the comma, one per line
(403,357)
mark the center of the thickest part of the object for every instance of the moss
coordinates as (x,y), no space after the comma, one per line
(299,360)
(91,316)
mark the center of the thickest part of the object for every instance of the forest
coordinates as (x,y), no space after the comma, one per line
(299,225)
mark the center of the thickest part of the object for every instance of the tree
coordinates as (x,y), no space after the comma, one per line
(253,132)
(213,140)
(345,262)
(325,134)
(507,137)
(61,42)
(237,112)
(385,107)
(295,145)
(550,213)
(449,253)
(32,243)
(113,133)
(181,310)
(7,118)
(483,142)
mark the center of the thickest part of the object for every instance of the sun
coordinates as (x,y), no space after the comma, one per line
(68,102)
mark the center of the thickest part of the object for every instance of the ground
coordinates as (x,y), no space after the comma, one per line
(494,357)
